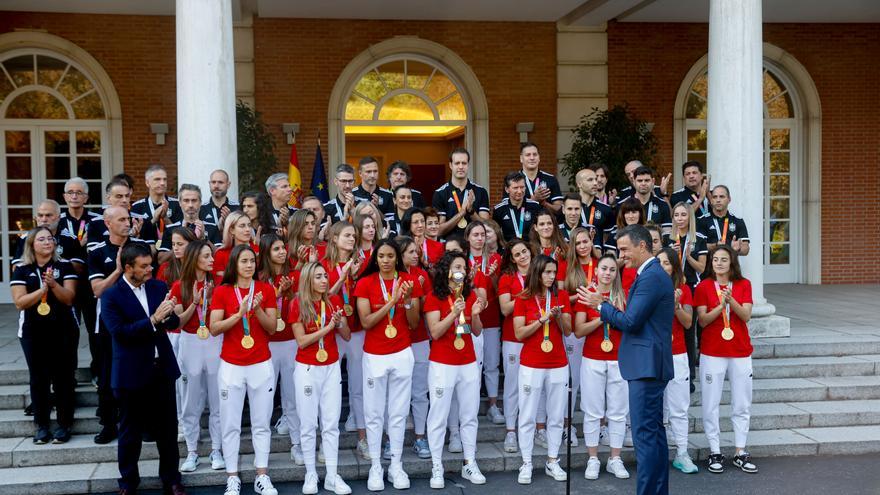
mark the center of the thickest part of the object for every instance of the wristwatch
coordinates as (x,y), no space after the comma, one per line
(408,305)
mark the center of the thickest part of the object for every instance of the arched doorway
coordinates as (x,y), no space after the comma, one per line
(409,99)
(791,250)
(56,120)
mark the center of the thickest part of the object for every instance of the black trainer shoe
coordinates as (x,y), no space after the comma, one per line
(62,435)
(715,463)
(107,435)
(744,462)
(29,410)
(42,436)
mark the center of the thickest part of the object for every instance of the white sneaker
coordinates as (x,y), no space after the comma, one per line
(628,438)
(263,485)
(604,439)
(375,482)
(570,432)
(363,449)
(525,474)
(350,424)
(437,480)
(496,417)
(398,478)
(555,471)
(615,467)
(296,455)
(337,485)
(510,442)
(217,461)
(233,486)
(594,465)
(310,484)
(471,472)
(191,463)
(281,426)
(541,437)
(455,446)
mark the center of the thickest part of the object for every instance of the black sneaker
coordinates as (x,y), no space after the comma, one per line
(29,410)
(42,437)
(62,435)
(744,462)
(107,435)
(715,463)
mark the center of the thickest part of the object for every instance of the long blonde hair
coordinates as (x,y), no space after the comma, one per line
(692,223)
(307,313)
(574,273)
(617,294)
(367,208)
(229,224)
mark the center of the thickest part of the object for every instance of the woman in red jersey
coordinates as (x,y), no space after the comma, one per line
(237,230)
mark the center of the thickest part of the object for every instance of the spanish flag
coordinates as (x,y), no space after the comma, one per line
(295,179)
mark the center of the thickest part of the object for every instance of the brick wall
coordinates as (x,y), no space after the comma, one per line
(647,63)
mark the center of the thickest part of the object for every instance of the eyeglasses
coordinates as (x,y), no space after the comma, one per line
(74,193)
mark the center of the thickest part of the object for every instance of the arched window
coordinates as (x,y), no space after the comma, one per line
(36,86)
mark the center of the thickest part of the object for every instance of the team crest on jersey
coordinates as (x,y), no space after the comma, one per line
(438,392)
(370,383)
(708,378)
(598,215)
(224,394)
(655,208)
(527,389)
(527,216)
(732,227)
(308,390)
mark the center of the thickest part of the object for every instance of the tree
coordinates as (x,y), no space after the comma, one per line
(613,137)
(256,148)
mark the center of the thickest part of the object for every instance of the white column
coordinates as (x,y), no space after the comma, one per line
(206,138)
(736,120)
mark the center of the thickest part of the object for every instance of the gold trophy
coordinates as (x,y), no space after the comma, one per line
(462,327)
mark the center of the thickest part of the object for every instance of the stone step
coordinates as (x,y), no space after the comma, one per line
(775,416)
(100,477)
(825,345)
(817,366)
(17,373)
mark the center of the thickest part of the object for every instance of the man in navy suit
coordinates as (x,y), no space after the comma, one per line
(137,312)
(645,353)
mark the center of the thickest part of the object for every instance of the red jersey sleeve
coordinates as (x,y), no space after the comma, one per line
(519,307)
(431,303)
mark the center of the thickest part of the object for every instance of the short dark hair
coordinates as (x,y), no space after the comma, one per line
(126,178)
(367,159)
(595,167)
(571,197)
(691,163)
(726,189)
(401,165)
(528,144)
(637,234)
(190,187)
(398,188)
(344,168)
(116,181)
(460,151)
(131,251)
(643,170)
(514,176)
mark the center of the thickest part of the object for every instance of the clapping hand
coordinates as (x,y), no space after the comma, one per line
(165,308)
(589,298)
(479,306)
(284,283)
(458,306)
(49,279)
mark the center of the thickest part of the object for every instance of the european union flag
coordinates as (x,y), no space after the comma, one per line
(319,177)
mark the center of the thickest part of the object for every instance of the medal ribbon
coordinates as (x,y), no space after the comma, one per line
(320,322)
(522,281)
(463,198)
(202,306)
(386,296)
(82,230)
(160,226)
(250,300)
(40,279)
(482,262)
(529,184)
(606,326)
(425,250)
(344,284)
(544,312)
(517,224)
(726,312)
(279,299)
(590,271)
(722,235)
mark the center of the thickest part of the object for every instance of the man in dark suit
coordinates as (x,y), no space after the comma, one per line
(645,353)
(137,312)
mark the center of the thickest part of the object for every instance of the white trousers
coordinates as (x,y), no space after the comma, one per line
(255,381)
(452,420)
(739,372)
(387,381)
(574,349)
(284,362)
(532,382)
(419,401)
(199,365)
(353,350)
(491,359)
(677,400)
(605,394)
(463,381)
(510,360)
(179,384)
(319,390)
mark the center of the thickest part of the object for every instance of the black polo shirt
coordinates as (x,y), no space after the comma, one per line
(66,247)
(394,224)
(697,248)
(102,262)
(685,195)
(98,232)
(542,179)
(74,226)
(603,220)
(334,209)
(386,198)
(511,217)
(211,234)
(61,317)
(444,201)
(656,211)
(144,208)
(713,228)
(276,217)
(210,213)
(629,191)
(417,198)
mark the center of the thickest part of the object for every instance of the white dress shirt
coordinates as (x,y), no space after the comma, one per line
(141,294)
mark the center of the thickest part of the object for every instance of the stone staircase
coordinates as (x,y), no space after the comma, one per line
(812,395)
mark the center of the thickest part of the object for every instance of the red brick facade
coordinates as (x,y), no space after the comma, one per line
(647,63)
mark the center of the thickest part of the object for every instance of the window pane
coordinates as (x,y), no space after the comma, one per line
(58,167)
(57,141)
(36,105)
(780,107)
(89,107)
(779,208)
(371,86)
(701,86)
(18,142)
(21,69)
(406,107)
(697,107)
(779,231)
(95,193)
(88,167)
(697,156)
(20,219)
(49,70)
(779,162)
(18,167)
(417,74)
(392,74)
(696,140)
(6,87)
(55,190)
(88,142)
(779,185)
(452,109)
(74,84)
(20,193)
(773,87)
(439,86)
(779,254)
(358,108)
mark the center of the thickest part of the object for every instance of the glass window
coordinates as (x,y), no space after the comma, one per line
(21,69)
(406,107)
(50,74)
(36,105)
(50,70)
(75,83)
(18,142)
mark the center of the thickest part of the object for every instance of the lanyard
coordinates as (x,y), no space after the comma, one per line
(517,224)
(522,282)
(363,254)
(649,208)
(160,224)
(425,250)
(584,221)
(386,296)
(529,184)
(722,236)
(482,262)
(82,228)
(606,328)
(320,322)
(344,284)
(544,311)
(250,300)
(726,312)
(590,271)
(202,307)
(279,299)
(40,280)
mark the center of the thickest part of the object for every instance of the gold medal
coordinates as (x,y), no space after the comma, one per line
(321,355)
(348,310)
(279,326)
(390,331)
(247,341)
(202,332)
(462,223)
(458,343)
(607,345)
(727,334)
(546,346)
(43,309)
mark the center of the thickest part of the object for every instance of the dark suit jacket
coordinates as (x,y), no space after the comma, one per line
(134,340)
(646,345)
